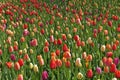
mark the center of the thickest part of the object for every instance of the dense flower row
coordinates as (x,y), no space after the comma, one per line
(69,40)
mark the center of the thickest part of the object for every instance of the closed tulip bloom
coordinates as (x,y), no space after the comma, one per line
(58,63)
(21,62)
(98,70)
(79,76)
(34,42)
(31,65)
(11,49)
(67,64)
(20,77)
(84,55)
(103,48)
(12,56)
(78,62)
(116,61)
(17,66)
(9,65)
(46,49)
(113,68)
(89,73)
(26,32)
(44,75)
(114,78)
(35,68)
(117,74)
(89,40)
(1,52)
(53,64)
(101,63)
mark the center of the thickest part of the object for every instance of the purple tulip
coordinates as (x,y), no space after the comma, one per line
(12,56)
(44,75)
(27,19)
(98,70)
(116,61)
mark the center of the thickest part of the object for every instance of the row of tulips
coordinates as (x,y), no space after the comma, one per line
(59,40)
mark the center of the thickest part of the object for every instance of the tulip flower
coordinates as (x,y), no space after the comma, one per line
(21,62)
(13,57)
(34,42)
(79,76)
(78,62)
(1,52)
(103,48)
(17,66)
(114,78)
(9,65)
(89,73)
(116,61)
(31,65)
(35,68)
(117,74)
(53,64)
(98,70)
(44,75)
(20,77)
(113,68)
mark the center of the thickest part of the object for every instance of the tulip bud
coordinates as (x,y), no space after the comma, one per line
(35,68)
(69,36)
(89,40)
(20,77)
(78,62)
(17,66)
(31,65)
(114,78)
(101,63)
(31,51)
(98,70)
(79,76)
(103,48)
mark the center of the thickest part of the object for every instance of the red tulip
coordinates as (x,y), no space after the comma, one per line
(89,73)
(25,26)
(59,41)
(15,47)
(110,23)
(11,49)
(17,66)
(76,37)
(46,49)
(67,55)
(53,64)
(57,52)
(58,63)
(65,48)
(67,64)
(20,77)
(42,31)
(9,65)
(0,51)
(114,47)
(34,42)
(109,54)
(113,68)
(117,74)
(64,37)
(21,62)
(47,43)
(78,43)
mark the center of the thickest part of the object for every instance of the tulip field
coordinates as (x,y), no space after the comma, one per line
(59,39)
